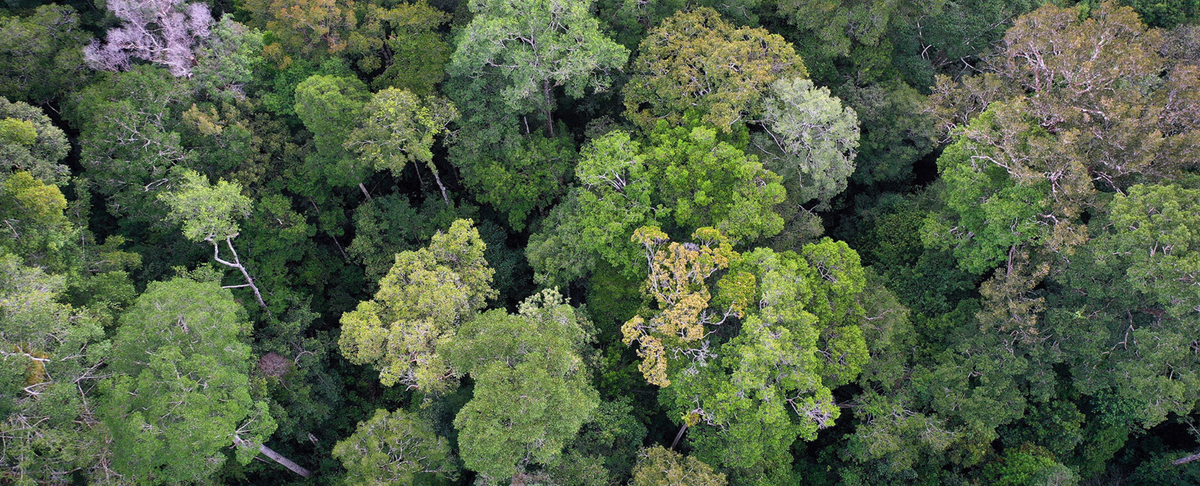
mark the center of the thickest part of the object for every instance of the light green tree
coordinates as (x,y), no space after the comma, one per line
(180,392)
(531,391)
(35,225)
(809,139)
(331,107)
(209,213)
(682,178)
(597,219)
(398,127)
(536,46)
(30,142)
(421,303)
(394,448)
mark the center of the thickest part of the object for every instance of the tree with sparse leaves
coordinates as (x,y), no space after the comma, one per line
(160,31)
(398,127)
(209,214)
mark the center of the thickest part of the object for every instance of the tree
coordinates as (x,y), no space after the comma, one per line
(531,391)
(697,61)
(397,128)
(309,30)
(896,132)
(385,226)
(160,31)
(809,139)
(840,25)
(1043,138)
(393,448)
(535,46)
(180,393)
(330,107)
(682,178)
(41,56)
(596,220)
(403,45)
(662,467)
(225,64)
(1127,302)
(30,142)
(705,181)
(208,213)
(501,161)
(421,302)
(630,19)
(606,448)
(129,139)
(676,281)
(52,358)
(1156,227)
(751,367)
(34,224)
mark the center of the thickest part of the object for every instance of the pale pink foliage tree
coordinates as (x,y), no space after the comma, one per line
(160,31)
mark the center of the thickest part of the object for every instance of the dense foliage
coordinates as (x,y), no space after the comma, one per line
(600,242)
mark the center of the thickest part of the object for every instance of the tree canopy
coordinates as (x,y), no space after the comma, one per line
(594,243)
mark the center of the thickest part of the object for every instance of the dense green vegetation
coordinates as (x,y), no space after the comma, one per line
(600,242)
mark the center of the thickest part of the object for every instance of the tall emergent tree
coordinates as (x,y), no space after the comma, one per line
(682,178)
(1044,138)
(756,361)
(809,139)
(695,60)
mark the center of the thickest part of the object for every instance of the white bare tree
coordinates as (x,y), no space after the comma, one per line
(160,31)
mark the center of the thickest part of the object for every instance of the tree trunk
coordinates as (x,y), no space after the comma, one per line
(363,188)
(1184,460)
(678,436)
(438,179)
(548,92)
(275,456)
(237,263)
